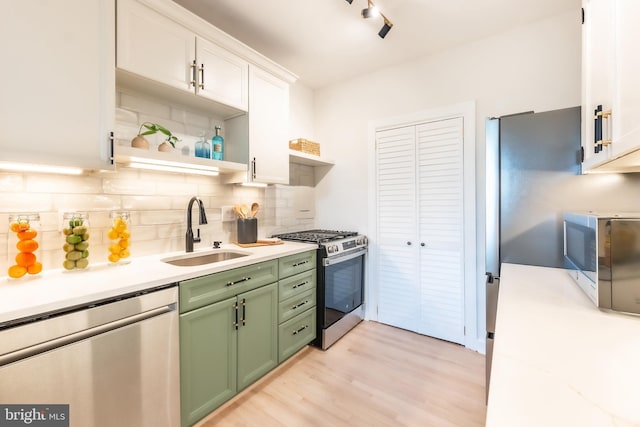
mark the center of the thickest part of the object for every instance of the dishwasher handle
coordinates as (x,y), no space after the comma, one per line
(79,336)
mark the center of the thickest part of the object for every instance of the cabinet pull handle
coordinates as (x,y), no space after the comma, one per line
(235,309)
(300,284)
(244,311)
(253,168)
(299,305)
(297,264)
(112,140)
(193,74)
(244,279)
(300,330)
(201,69)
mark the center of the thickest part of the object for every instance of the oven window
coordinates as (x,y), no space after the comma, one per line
(344,283)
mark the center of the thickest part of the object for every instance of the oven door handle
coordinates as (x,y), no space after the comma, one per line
(336,260)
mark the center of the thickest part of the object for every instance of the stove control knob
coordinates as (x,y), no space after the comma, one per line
(332,249)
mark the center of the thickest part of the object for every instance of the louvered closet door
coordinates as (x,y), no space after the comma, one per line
(440,223)
(396,260)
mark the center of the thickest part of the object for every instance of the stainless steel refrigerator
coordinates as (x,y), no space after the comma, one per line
(533,166)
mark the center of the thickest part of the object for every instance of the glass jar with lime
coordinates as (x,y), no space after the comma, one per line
(76,240)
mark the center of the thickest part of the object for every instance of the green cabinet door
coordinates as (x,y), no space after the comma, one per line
(208,357)
(257,333)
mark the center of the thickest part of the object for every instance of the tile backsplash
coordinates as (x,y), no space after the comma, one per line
(157,201)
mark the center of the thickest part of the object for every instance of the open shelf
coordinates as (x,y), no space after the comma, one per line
(127,155)
(301,158)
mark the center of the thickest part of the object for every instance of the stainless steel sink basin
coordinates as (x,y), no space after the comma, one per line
(191,260)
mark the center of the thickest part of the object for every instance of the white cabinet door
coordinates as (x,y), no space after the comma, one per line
(597,73)
(268,128)
(154,46)
(222,76)
(610,78)
(57,91)
(440,223)
(397,251)
(626,117)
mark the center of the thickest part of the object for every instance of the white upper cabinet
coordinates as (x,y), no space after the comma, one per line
(57,92)
(610,84)
(222,76)
(268,128)
(154,46)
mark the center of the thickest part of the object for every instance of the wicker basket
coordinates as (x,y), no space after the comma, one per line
(305,146)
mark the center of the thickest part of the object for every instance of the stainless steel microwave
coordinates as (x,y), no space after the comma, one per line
(602,253)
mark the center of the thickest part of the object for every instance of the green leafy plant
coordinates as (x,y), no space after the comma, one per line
(155,128)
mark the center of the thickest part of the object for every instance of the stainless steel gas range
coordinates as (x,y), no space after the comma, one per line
(340,281)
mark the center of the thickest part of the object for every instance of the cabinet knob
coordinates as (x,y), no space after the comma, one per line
(422,244)
(408,243)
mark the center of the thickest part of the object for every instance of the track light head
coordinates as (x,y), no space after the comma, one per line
(370,11)
(385,29)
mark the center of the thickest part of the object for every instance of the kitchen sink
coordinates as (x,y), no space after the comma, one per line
(191,260)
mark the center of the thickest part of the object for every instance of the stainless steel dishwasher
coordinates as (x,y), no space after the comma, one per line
(115,362)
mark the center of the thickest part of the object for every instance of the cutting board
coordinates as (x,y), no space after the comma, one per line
(260,243)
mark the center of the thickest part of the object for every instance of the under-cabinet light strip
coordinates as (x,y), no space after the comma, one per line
(28,167)
(188,166)
(166,168)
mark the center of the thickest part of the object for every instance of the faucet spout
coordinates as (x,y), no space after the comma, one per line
(189,238)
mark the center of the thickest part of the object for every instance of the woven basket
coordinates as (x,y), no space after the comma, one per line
(305,146)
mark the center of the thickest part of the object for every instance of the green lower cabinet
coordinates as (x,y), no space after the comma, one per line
(257,334)
(208,357)
(218,358)
(296,333)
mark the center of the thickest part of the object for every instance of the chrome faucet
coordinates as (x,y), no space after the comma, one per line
(190,240)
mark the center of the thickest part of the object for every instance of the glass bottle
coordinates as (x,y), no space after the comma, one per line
(76,240)
(218,145)
(119,235)
(21,250)
(203,148)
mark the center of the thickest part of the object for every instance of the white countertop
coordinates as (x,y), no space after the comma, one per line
(558,360)
(54,290)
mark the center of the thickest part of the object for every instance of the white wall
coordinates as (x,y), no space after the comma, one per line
(536,67)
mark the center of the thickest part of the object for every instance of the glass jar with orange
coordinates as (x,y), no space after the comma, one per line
(22,258)
(119,236)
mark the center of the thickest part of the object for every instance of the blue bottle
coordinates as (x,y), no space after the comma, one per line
(217,144)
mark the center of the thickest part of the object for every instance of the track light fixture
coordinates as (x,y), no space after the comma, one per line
(371,11)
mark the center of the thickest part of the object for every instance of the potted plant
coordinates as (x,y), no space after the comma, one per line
(141,142)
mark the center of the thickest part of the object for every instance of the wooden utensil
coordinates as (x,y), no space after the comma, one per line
(245,211)
(255,207)
(238,210)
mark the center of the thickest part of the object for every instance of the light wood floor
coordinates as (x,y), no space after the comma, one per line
(376,375)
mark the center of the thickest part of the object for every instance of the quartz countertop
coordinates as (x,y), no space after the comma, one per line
(558,360)
(54,290)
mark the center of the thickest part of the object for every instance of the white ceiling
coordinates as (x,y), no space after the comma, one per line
(325,41)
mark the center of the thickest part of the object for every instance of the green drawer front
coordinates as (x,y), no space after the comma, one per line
(296,333)
(294,264)
(297,284)
(298,304)
(198,292)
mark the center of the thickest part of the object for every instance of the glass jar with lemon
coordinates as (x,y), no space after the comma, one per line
(23,232)
(119,236)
